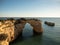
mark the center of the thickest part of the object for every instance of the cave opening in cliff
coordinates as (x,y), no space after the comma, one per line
(27,31)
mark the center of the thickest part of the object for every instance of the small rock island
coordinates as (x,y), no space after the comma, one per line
(11,28)
(49,23)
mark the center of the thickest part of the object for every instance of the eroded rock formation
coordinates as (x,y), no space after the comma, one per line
(10,29)
(49,23)
(37,26)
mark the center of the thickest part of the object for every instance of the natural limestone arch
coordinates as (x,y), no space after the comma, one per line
(12,28)
(36,24)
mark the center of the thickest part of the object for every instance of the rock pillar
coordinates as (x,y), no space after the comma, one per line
(37,26)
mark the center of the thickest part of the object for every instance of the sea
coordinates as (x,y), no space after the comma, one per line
(50,35)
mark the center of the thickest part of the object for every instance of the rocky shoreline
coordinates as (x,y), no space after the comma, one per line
(11,28)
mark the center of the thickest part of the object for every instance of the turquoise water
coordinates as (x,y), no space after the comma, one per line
(50,36)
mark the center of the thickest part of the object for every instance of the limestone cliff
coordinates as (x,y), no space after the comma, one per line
(10,29)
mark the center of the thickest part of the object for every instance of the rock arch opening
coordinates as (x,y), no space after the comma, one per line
(28,30)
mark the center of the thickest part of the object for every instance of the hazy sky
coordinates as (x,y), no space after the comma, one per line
(29,8)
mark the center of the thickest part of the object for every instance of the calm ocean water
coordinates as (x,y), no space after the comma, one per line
(50,36)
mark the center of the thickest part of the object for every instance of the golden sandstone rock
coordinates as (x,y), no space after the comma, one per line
(10,29)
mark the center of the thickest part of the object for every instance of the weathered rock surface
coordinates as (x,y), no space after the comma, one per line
(37,26)
(10,29)
(49,23)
